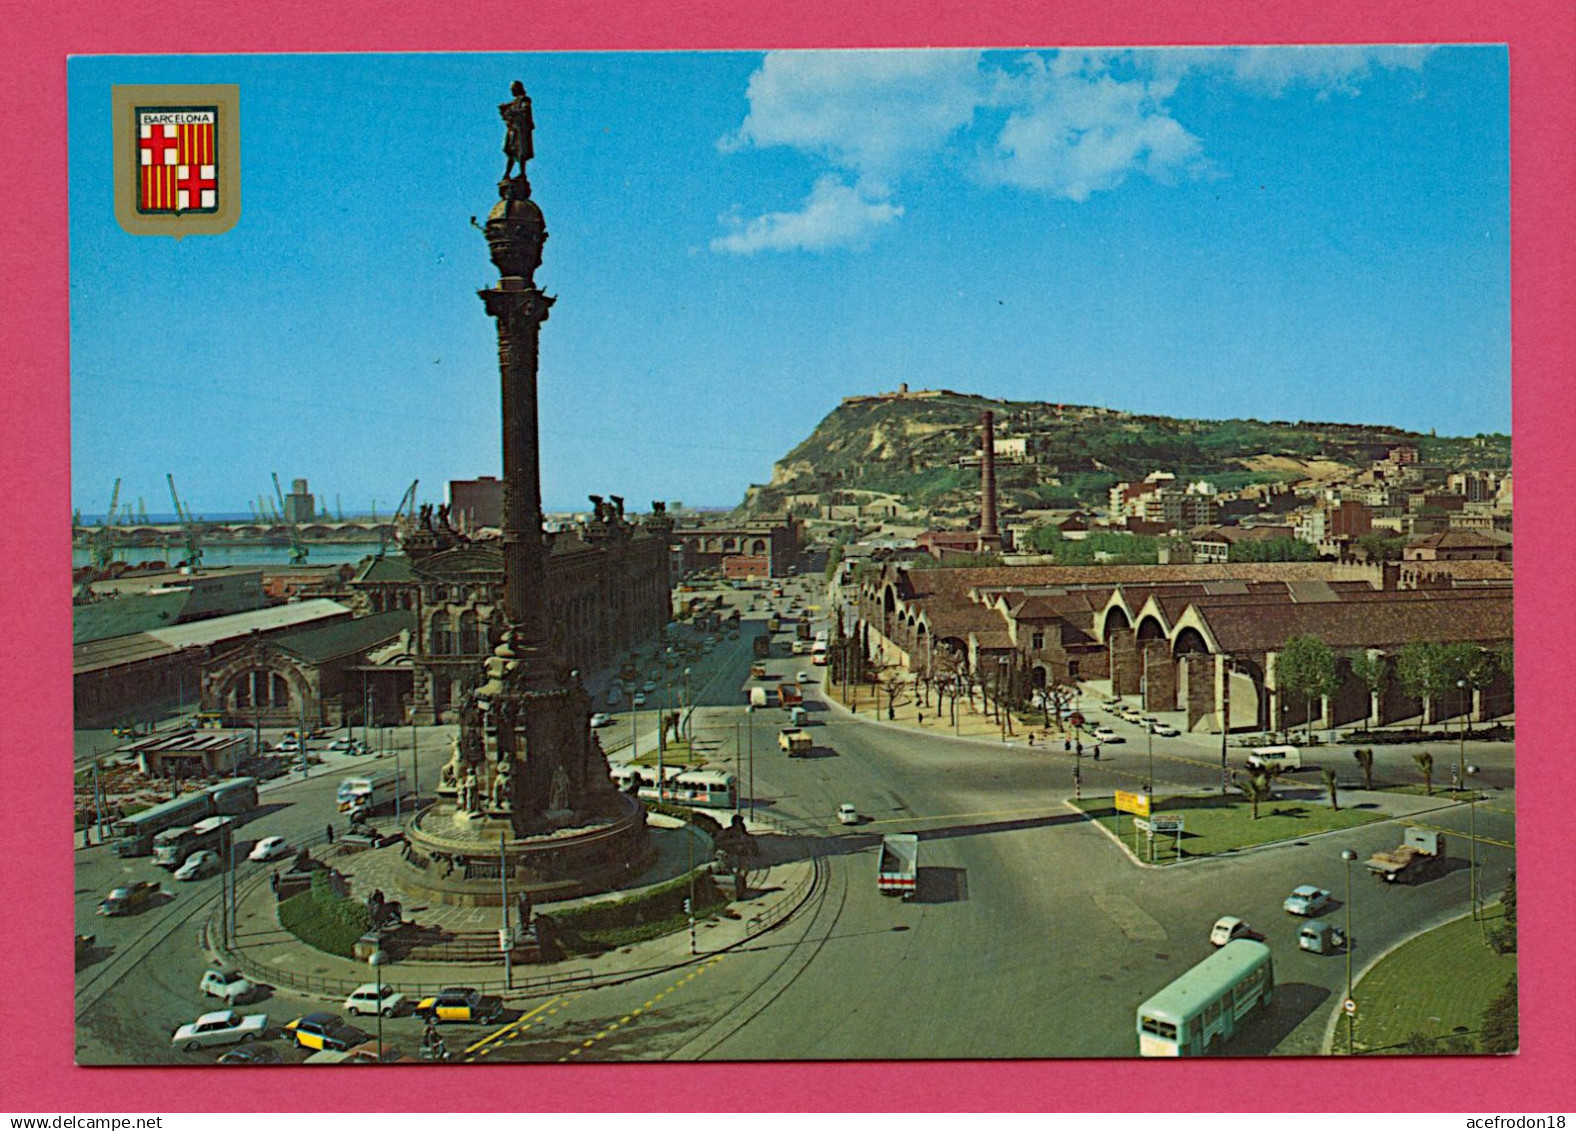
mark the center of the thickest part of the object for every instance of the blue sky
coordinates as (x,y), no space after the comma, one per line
(739,240)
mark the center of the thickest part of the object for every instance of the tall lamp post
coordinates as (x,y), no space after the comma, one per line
(689,709)
(1461,747)
(1472,886)
(750,710)
(1001,694)
(1351,1012)
(1225,721)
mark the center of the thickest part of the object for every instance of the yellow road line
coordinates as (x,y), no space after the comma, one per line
(612,1026)
(500,1034)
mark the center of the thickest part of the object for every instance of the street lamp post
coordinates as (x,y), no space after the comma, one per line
(1351,1013)
(750,710)
(1001,688)
(689,709)
(1472,886)
(1461,747)
(1225,721)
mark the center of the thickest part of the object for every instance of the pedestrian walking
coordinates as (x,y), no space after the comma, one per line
(1096,751)
(273,881)
(922,718)
(1067,745)
(328,831)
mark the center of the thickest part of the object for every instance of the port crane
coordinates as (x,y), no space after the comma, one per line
(188,526)
(104,539)
(406,500)
(298,549)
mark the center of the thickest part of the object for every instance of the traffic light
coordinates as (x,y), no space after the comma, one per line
(688,910)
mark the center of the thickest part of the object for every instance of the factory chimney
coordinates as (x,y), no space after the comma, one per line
(990,539)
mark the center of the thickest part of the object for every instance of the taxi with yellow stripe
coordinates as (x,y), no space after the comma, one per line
(459,1003)
(324,1032)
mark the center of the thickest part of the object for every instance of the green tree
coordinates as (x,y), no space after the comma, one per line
(1330,784)
(1274,550)
(1256,787)
(1380,548)
(1425,670)
(1501,1026)
(1305,669)
(1376,670)
(1425,765)
(1365,759)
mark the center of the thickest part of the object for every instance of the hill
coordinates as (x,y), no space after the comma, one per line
(920,450)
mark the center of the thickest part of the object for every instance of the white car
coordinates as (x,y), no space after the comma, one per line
(373,998)
(649,686)
(342,744)
(231,985)
(802,677)
(288,746)
(847,815)
(198,865)
(225,1027)
(1228,927)
(270,848)
(601,719)
(638,701)
(1164,730)
(1104,734)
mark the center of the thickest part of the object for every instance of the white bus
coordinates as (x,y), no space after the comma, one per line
(366,792)
(709,788)
(1205,1005)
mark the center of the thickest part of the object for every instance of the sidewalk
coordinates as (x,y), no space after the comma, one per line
(269,954)
(869,704)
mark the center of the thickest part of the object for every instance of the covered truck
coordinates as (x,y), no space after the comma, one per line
(1419,856)
(897,872)
(794,741)
(788,695)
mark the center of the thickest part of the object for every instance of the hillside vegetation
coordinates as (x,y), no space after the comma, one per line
(910,447)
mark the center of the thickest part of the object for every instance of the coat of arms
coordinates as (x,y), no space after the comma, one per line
(177,159)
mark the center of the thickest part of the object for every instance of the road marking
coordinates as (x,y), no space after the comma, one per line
(634,1013)
(508,1029)
(1133,920)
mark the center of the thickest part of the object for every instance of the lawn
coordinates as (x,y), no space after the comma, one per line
(1436,985)
(1213,824)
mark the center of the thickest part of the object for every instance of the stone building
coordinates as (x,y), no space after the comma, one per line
(779,541)
(1201,639)
(609,594)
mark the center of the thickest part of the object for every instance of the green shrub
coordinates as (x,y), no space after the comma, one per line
(324,919)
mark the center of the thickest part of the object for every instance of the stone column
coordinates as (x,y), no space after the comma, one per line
(1201,688)
(1159,676)
(1122,643)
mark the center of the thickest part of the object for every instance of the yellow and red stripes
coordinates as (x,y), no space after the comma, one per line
(194,145)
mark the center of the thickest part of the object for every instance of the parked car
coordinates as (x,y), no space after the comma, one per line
(802,677)
(231,985)
(342,744)
(601,719)
(373,998)
(649,686)
(198,865)
(132,897)
(459,1003)
(1228,927)
(1104,734)
(639,700)
(1307,900)
(847,815)
(224,1027)
(1164,730)
(322,1031)
(270,848)
(370,1052)
(252,1054)
(288,745)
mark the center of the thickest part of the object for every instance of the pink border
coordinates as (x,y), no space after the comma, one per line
(37,1034)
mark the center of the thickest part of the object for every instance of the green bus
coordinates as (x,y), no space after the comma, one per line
(1206,1004)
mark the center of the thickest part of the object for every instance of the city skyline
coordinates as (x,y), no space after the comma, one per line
(1096,228)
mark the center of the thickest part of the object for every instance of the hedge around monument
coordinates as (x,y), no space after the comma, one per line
(324,919)
(649,915)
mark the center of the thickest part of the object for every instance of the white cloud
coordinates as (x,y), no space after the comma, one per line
(1274,71)
(871,112)
(835,214)
(1067,123)
(1075,130)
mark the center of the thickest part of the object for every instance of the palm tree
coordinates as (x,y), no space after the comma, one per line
(1256,787)
(1329,784)
(1425,764)
(1365,759)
